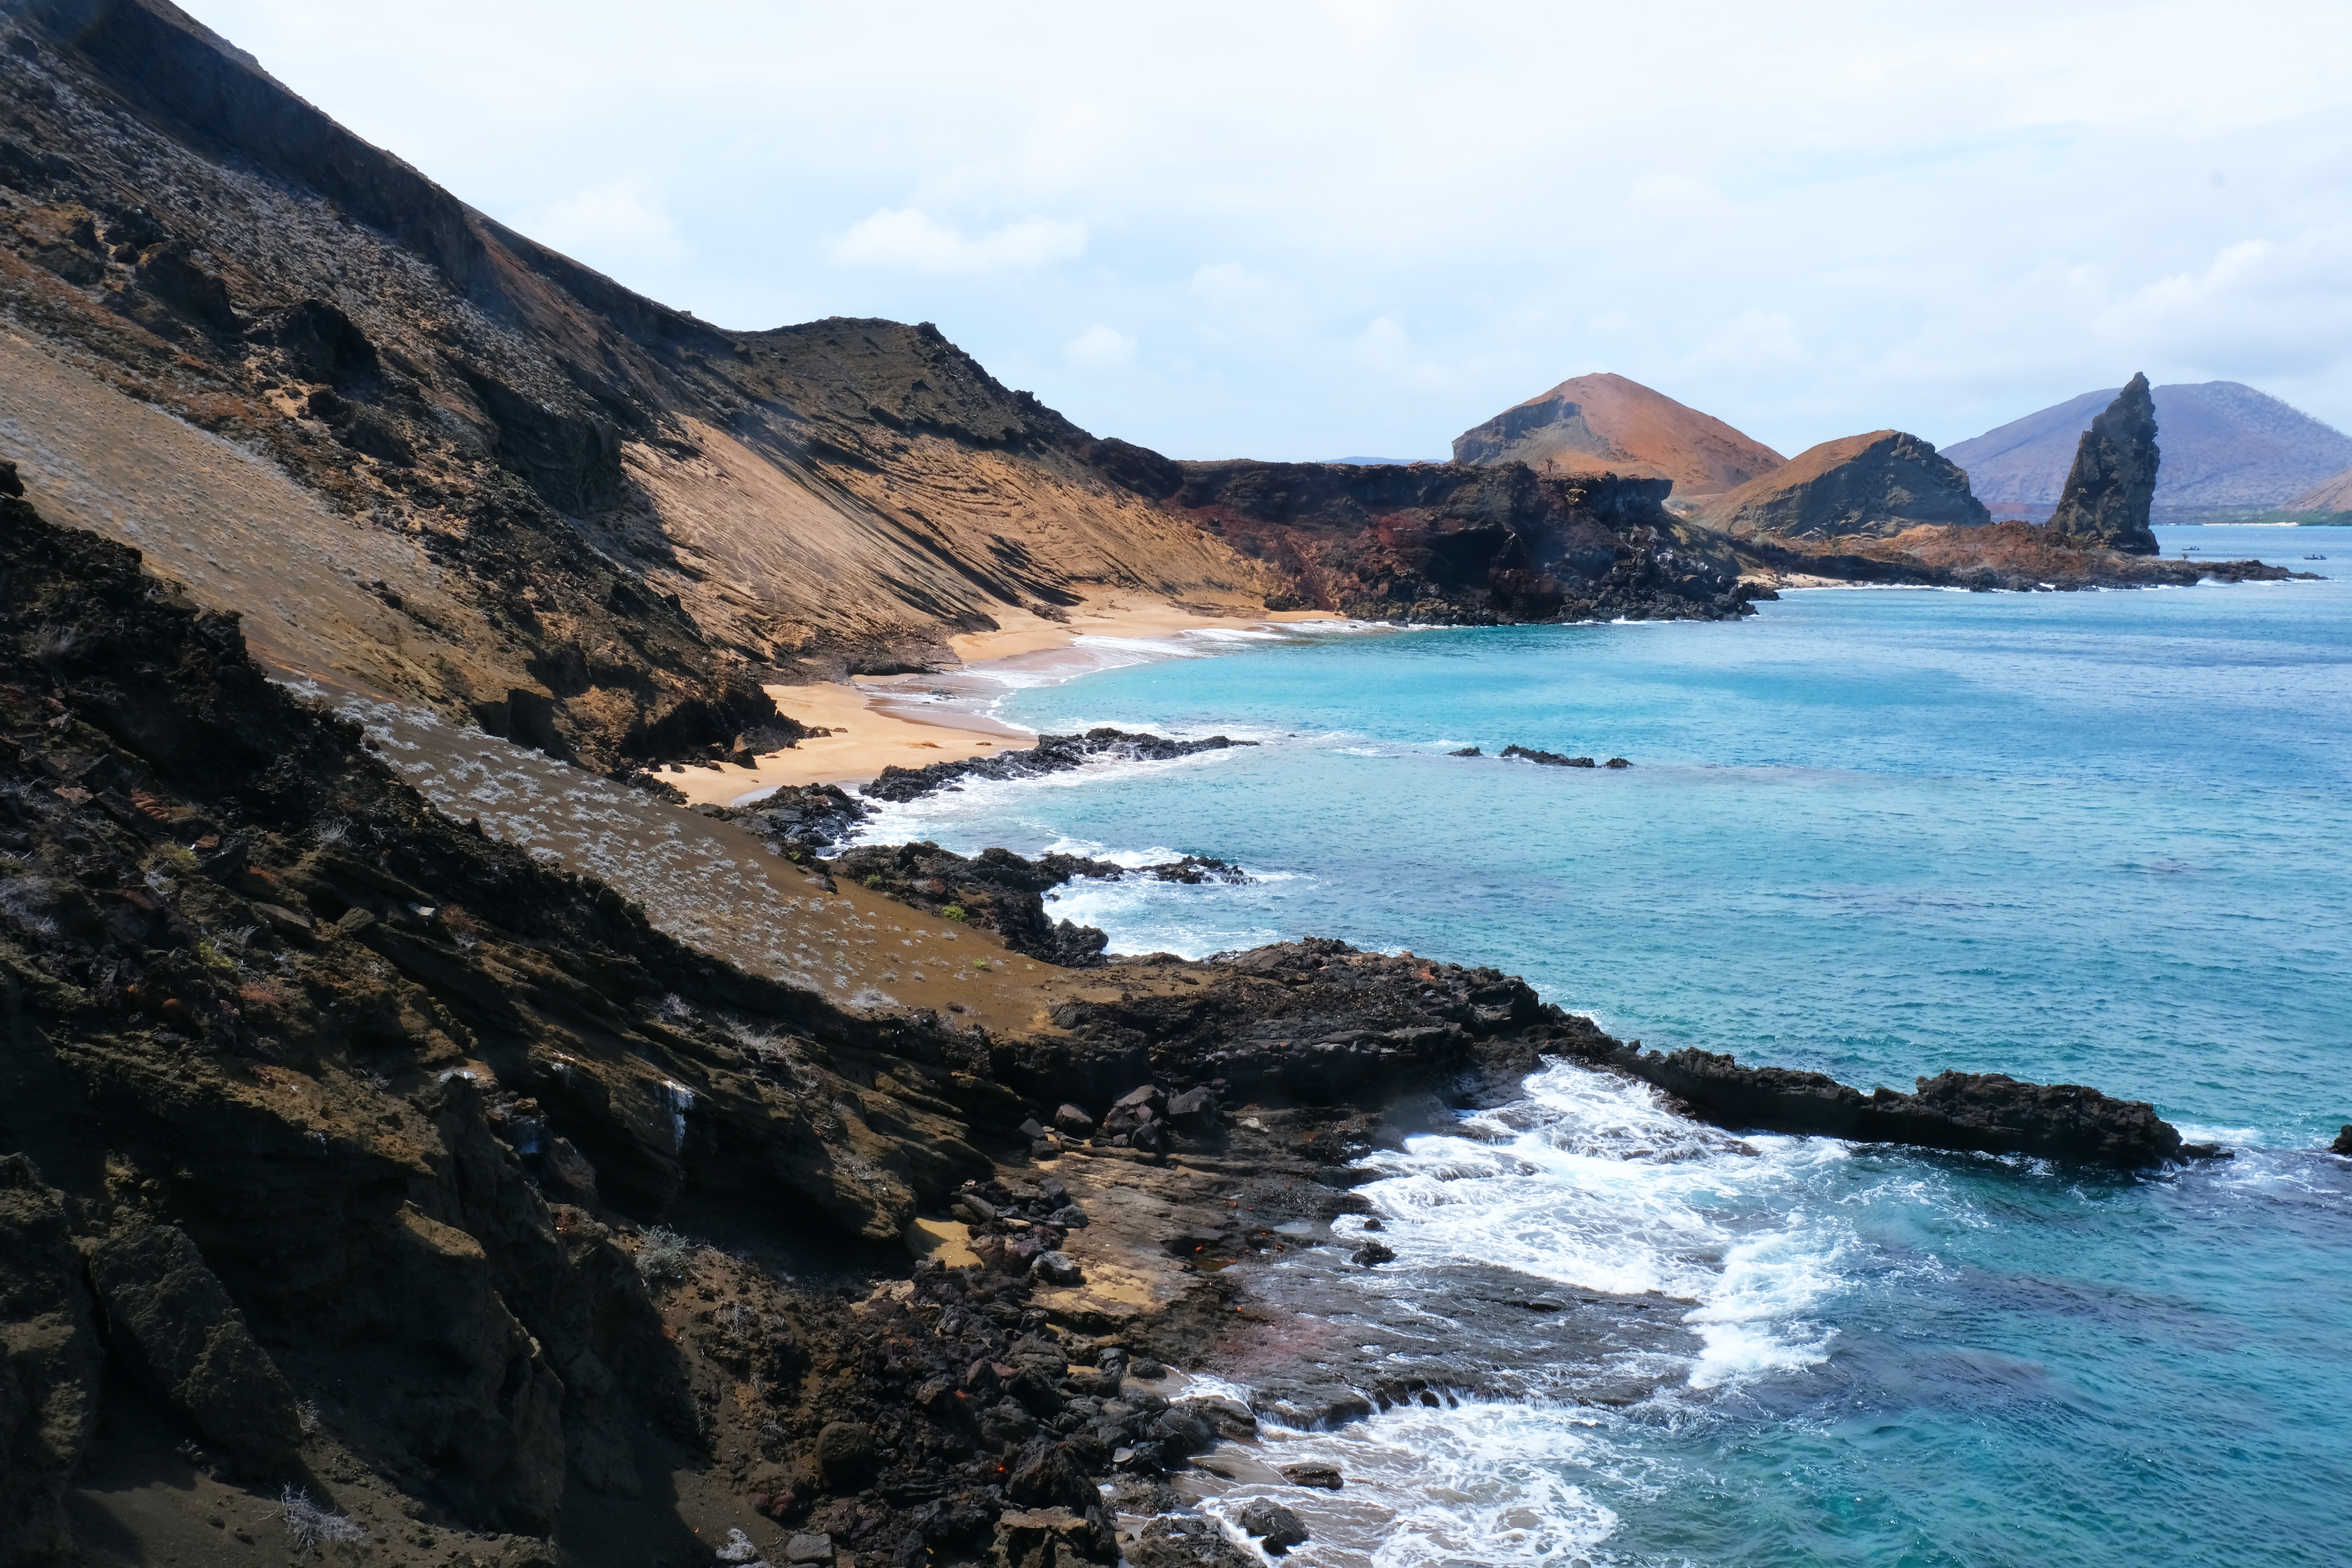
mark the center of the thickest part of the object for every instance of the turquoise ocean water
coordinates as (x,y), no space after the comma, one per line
(2091,838)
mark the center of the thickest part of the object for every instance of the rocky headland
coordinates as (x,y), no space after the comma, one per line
(368,1177)
(1873,485)
(1459,545)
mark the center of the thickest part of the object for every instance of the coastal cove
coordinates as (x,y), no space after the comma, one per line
(2076,837)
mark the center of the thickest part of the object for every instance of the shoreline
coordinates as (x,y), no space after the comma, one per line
(908,720)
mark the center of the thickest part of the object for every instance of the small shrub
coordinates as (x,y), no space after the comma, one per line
(980,963)
(310,1525)
(665,1256)
(953,912)
(874,882)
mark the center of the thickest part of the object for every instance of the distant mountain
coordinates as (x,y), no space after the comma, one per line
(2333,494)
(2225,446)
(1605,423)
(1381,462)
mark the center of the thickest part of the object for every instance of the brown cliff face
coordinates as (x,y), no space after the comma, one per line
(1606,423)
(456,466)
(1875,484)
(2329,496)
(2113,482)
(1462,544)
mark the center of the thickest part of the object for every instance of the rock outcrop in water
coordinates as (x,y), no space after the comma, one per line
(1051,755)
(2113,481)
(1986,1113)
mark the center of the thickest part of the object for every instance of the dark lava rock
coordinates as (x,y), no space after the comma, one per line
(1057,1268)
(2343,1144)
(1373,1252)
(1052,753)
(1877,484)
(845,1454)
(1314,1473)
(1185,1540)
(1466,751)
(1986,1113)
(1071,1120)
(1276,1528)
(1616,763)
(2113,477)
(1546,759)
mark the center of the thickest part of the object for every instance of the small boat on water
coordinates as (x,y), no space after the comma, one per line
(2315,558)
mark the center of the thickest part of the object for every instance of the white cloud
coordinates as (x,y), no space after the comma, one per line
(1100,348)
(608,226)
(903,240)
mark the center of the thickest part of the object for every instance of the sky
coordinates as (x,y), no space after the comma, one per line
(1316,230)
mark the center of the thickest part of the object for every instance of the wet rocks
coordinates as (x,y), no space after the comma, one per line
(1185,1540)
(1314,1473)
(1546,759)
(1275,1527)
(1052,753)
(2343,1144)
(1372,1254)
(1986,1113)
(2113,481)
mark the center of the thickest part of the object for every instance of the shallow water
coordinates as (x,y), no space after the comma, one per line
(2094,837)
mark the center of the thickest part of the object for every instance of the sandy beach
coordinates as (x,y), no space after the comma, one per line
(913,719)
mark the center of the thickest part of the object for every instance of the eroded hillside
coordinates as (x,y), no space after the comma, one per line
(503,484)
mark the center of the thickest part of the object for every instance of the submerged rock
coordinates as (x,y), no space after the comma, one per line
(1276,1528)
(2109,489)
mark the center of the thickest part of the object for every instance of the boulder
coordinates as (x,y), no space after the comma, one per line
(1373,1252)
(1314,1473)
(2343,1144)
(1193,1109)
(845,1454)
(1057,1268)
(2113,481)
(1185,1540)
(1070,1119)
(174,1329)
(1875,484)
(1276,1528)
(1049,1537)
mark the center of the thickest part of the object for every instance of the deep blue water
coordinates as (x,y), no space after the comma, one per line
(2093,837)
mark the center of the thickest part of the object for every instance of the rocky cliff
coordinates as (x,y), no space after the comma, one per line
(2113,481)
(2332,495)
(1880,483)
(1607,424)
(1459,543)
(444,463)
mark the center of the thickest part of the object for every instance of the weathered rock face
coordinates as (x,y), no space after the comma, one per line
(49,1365)
(1457,544)
(2113,481)
(180,1336)
(1880,483)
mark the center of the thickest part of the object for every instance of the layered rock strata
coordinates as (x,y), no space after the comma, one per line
(1876,484)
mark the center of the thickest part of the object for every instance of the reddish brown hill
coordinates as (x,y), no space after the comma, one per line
(1604,422)
(1878,483)
(2328,495)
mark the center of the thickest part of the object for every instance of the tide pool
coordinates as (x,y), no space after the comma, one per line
(2095,837)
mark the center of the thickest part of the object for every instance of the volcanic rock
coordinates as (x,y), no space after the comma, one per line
(1314,1473)
(1277,1529)
(1879,483)
(1457,544)
(1606,423)
(2343,1144)
(2113,481)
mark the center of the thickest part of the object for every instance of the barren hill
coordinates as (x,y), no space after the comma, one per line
(428,457)
(2226,445)
(2333,494)
(1604,422)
